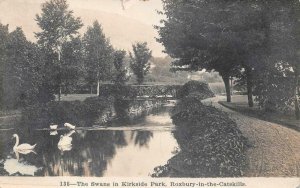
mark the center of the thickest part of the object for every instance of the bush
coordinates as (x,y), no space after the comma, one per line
(211,143)
(77,112)
(194,87)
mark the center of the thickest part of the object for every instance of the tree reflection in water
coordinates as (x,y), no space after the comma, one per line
(88,157)
(90,154)
(119,139)
(91,151)
(141,138)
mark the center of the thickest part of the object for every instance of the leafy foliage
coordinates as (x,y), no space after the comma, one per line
(80,113)
(3,56)
(58,26)
(23,76)
(98,54)
(213,37)
(194,87)
(210,143)
(120,70)
(72,64)
(139,61)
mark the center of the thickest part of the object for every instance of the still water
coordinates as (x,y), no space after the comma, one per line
(127,149)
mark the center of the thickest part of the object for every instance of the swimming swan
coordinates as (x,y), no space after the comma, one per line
(53,127)
(65,142)
(22,148)
(70,126)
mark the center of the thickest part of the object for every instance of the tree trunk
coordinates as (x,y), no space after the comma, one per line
(227,87)
(98,87)
(297,110)
(231,85)
(249,87)
(59,84)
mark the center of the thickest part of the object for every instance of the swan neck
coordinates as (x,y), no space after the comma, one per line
(17,141)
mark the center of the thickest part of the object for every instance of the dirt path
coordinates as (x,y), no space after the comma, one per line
(276,149)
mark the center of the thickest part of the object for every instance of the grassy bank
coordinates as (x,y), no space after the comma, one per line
(239,104)
(9,118)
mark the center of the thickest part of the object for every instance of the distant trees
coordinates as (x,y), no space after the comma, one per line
(139,61)
(98,55)
(58,26)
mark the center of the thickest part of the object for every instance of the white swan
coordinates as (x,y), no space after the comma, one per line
(65,142)
(70,126)
(22,148)
(53,127)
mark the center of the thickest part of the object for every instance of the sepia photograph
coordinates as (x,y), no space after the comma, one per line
(156,89)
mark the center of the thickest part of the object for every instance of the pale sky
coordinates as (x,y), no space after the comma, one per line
(123,27)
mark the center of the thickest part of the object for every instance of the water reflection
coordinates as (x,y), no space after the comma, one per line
(120,140)
(19,165)
(141,138)
(14,166)
(93,152)
(53,133)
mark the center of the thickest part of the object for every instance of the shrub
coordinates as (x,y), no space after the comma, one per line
(194,87)
(77,112)
(211,145)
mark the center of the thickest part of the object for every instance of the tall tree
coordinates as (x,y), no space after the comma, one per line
(14,68)
(139,61)
(58,26)
(23,71)
(72,63)
(98,55)
(3,58)
(290,43)
(284,55)
(212,35)
(120,70)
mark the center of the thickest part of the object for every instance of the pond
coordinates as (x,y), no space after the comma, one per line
(129,148)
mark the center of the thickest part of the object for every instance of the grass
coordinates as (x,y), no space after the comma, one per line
(70,97)
(239,104)
(218,88)
(75,97)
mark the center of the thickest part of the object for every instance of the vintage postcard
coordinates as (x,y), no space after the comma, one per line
(149,93)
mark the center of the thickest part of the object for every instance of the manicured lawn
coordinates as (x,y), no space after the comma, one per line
(239,104)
